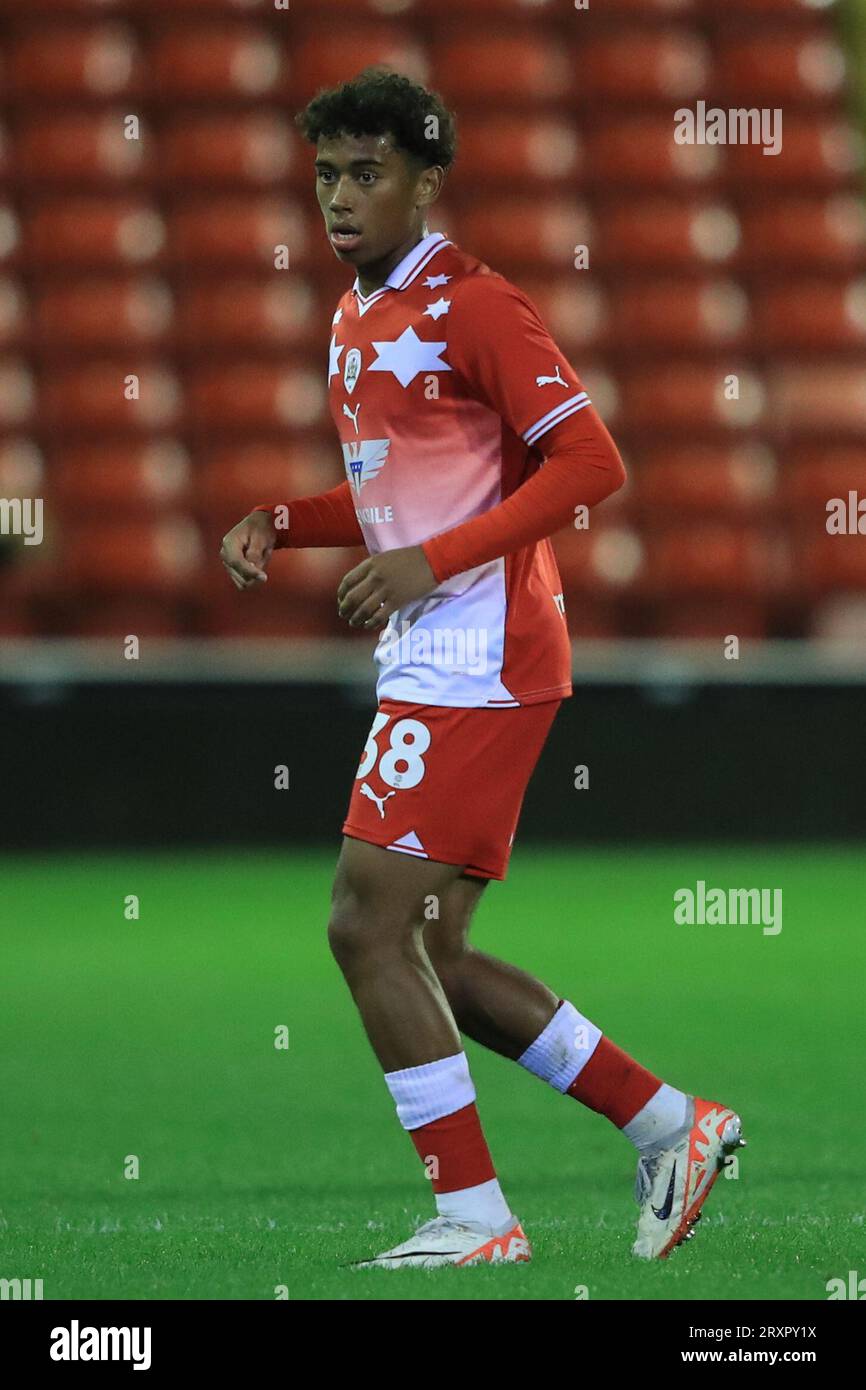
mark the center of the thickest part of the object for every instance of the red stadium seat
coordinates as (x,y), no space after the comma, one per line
(641,150)
(22,467)
(710,479)
(479,10)
(324,10)
(818,152)
(247,395)
(710,558)
(99,232)
(17,393)
(675,396)
(280,312)
(531,147)
(238,232)
(780,67)
(128,312)
(665,232)
(828,564)
(536,232)
(232,479)
(92,396)
(157,257)
(142,557)
(13,312)
(811,314)
(788,11)
(10,235)
(676,313)
(816,473)
(204,9)
(637,66)
(58,60)
(504,67)
(257,148)
(323,62)
(605,560)
(120,478)
(81,146)
(822,232)
(819,397)
(656,9)
(214,60)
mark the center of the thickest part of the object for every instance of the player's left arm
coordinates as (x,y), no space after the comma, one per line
(508,360)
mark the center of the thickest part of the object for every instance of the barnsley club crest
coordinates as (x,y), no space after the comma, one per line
(352,370)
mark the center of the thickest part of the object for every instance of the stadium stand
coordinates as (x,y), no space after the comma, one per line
(719,325)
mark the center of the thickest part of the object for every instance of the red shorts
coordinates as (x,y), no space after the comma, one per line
(447,784)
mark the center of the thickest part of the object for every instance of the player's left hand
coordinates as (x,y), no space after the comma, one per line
(369,593)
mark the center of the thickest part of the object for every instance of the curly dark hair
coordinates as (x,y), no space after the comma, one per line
(379,101)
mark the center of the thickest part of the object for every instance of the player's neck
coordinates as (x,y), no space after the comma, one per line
(373,277)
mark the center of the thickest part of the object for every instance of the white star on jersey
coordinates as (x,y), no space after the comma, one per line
(336,319)
(438,309)
(334,359)
(433,281)
(408,355)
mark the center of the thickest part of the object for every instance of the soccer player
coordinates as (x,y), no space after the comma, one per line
(468,440)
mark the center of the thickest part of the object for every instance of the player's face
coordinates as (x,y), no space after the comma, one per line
(377,195)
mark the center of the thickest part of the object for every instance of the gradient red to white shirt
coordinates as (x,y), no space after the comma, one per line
(441,385)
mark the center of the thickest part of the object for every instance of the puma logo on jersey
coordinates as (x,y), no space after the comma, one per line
(364,460)
(379,800)
(552,380)
(353,415)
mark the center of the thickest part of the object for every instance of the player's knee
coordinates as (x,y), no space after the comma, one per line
(363,926)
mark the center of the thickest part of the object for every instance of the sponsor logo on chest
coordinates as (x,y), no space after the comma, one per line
(364,460)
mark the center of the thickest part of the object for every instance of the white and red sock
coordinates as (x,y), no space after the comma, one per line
(572,1056)
(436,1105)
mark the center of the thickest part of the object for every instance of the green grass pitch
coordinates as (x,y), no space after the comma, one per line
(262,1167)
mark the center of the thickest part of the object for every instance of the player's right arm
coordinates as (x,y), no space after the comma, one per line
(326,520)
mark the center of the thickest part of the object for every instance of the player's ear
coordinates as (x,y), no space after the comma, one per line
(430,184)
(433,180)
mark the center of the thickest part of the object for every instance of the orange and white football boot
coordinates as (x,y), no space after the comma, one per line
(443,1241)
(672,1186)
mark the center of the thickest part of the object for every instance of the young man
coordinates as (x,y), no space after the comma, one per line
(448,395)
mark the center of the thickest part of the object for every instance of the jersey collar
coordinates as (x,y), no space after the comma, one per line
(408,270)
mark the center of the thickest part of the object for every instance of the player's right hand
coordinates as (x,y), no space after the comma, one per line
(247,548)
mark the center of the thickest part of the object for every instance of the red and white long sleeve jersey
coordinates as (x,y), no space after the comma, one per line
(446,390)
